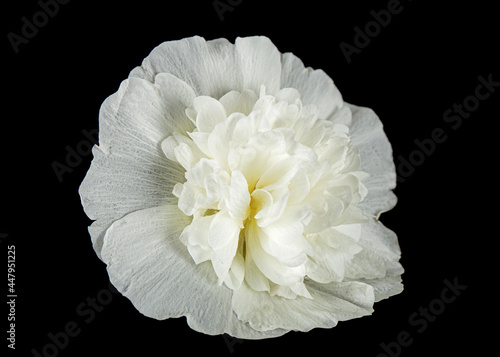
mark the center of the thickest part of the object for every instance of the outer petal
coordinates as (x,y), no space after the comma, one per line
(210,68)
(332,249)
(129,170)
(376,159)
(216,67)
(377,263)
(389,285)
(260,63)
(330,303)
(149,265)
(315,86)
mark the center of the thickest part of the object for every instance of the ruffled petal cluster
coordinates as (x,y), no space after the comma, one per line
(268,183)
(233,186)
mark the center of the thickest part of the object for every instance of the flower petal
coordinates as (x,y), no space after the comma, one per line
(210,112)
(290,226)
(271,205)
(260,63)
(279,175)
(222,230)
(274,270)
(380,248)
(263,151)
(332,249)
(315,86)
(209,67)
(236,102)
(330,303)
(195,237)
(238,199)
(291,253)
(376,159)
(129,171)
(223,236)
(220,140)
(299,188)
(254,277)
(150,266)
(389,285)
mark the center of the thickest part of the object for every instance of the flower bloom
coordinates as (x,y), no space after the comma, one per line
(235,187)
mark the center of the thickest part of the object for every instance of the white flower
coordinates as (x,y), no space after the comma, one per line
(233,186)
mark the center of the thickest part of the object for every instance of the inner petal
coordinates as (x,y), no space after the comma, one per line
(274,210)
(264,176)
(210,113)
(269,265)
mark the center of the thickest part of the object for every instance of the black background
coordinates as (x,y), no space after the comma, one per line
(427,59)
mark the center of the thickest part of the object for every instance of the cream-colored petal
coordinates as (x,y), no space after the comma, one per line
(150,266)
(329,304)
(376,159)
(223,237)
(236,102)
(129,170)
(260,63)
(238,199)
(210,112)
(389,285)
(380,248)
(315,86)
(273,269)
(210,67)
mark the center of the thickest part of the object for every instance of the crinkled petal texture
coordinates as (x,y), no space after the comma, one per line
(148,264)
(234,186)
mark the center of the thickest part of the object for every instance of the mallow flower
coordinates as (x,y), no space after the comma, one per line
(235,187)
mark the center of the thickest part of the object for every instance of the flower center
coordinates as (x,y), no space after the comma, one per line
(256,204)
(268,183)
